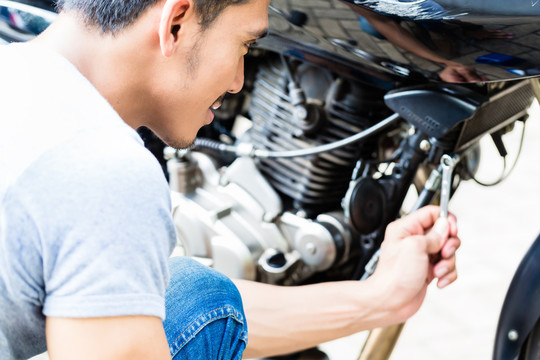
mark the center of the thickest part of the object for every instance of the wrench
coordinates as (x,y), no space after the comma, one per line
(448,164)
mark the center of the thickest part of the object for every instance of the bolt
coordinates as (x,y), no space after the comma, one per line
(425,145)
(301,112)
(513,335)
(311,248)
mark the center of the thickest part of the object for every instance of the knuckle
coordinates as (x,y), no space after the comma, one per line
(418,242)
(452,276)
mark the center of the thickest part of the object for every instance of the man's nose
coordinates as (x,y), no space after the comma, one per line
(238,81)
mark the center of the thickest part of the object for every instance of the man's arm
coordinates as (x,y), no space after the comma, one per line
(286,319)
(107,338)
(453,71)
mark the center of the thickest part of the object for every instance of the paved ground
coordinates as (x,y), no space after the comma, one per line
(496,225)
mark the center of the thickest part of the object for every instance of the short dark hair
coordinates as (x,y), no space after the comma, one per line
(114,15)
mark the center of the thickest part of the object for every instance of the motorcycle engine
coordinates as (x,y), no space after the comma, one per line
(279,220)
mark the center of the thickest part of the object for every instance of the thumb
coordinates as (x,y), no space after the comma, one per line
(436,237)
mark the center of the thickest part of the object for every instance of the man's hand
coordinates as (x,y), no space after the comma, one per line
(404,270)
(454,72)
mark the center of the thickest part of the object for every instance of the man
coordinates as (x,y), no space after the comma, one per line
(85,224)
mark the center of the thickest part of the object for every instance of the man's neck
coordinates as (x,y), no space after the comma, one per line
(108,62)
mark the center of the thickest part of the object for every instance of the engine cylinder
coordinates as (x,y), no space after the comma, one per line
(336,108)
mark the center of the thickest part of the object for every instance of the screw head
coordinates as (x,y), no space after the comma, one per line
(301,113)
(311,248)
(425,145)
(513,335)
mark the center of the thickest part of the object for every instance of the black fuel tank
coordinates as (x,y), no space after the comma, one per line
(442,40)
(388,40)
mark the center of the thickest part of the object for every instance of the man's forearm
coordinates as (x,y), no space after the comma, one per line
(286,319)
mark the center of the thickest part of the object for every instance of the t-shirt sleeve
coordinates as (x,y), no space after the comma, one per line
(105,229)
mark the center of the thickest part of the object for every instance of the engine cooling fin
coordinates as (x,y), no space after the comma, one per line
(344,109)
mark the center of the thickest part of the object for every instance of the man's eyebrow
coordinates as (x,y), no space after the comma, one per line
(259,34)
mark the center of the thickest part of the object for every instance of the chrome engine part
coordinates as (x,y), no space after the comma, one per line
(233,220)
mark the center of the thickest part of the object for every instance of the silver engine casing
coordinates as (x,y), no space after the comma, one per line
(233,220)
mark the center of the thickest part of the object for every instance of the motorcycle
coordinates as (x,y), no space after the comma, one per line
(352,114)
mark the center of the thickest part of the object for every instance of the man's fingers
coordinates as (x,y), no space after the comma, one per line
(436,237)
(450,246)
(444,267)
(415,223)
(447,279)
(453,225)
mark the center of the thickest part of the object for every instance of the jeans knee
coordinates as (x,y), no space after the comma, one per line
(197,297)
(192,280)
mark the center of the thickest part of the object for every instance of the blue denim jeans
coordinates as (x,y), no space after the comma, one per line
(204,314)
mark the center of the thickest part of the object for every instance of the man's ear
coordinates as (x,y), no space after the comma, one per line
(174,15)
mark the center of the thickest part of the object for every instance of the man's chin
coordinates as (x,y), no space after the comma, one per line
(180,144)
(177,143)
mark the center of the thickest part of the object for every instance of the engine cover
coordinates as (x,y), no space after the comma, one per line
(233,220)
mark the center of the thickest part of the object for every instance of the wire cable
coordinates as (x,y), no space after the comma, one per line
(245,149)
(504,174)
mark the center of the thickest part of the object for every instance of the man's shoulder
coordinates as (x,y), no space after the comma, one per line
(107,158)
(103,155)
(52,114)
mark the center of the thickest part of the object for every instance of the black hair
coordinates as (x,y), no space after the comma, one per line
(114,15)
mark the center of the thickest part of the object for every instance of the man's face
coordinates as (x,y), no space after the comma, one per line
(211,65)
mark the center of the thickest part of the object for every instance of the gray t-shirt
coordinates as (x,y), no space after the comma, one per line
(85,218)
